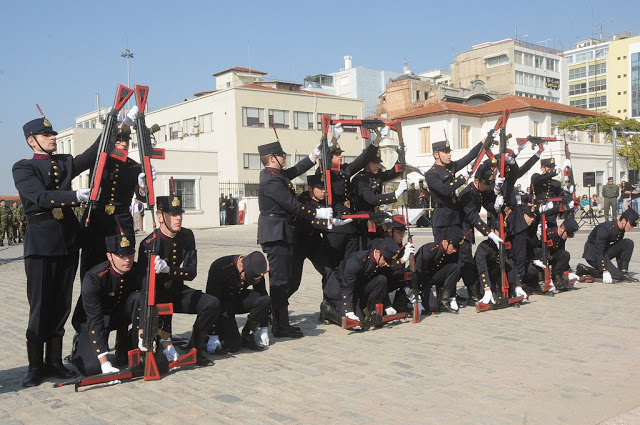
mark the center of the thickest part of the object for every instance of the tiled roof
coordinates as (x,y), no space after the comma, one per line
(495,107)
(240,69)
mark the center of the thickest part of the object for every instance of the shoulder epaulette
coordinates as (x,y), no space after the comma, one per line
(101,273)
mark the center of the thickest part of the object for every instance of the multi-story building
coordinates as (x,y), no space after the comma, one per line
(624,76)
(511,67)
(586,75)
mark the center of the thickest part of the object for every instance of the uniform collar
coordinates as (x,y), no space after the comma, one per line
(41,156)
(113,272)
(273,170)
(439,166)
(165,237)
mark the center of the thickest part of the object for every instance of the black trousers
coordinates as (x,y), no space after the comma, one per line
(621,251)
(314,250)
(252,302)
(519,245)
(340,245)
(49,288)
(468,269)
(445,279)
(495,276)
(365,295)
(84,356)
(280,256)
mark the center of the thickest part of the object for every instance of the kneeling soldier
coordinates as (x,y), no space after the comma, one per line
(606,241)
(111,299)
(229,280)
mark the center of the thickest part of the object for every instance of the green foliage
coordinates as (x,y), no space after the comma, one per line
(629,145)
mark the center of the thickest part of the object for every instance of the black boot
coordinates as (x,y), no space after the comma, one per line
(248,340)
(198,340)
(330,314)
(35,374)
(444,304)
(281,327)
(53,366)
(624,269)
(583,270)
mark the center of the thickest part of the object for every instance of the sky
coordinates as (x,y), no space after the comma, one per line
(60,54)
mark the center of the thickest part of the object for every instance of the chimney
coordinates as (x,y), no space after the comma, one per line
(347,62)
(405,68)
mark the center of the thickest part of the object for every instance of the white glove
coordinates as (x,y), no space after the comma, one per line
(339,222)
(566,164)
(496,239)
(143,348)
(324,213)
(402,187)
(408,250)
(131,116)
(453,303)
(539,264)
(161,266)
(351,315)
(384,132)
(107,367)
(142,181)
(487,298)
(411,296)
(263,336)
(571,189)
(546,207)
(337,130)
(606,277)
(498,185)
(318,150)
(509,159)
(213,344)
(571,204)
(499,202)
(542,147)
(170,353)
(573,276)
(82,195)
(465,174)
(390,311)
(539,231)
(520,293)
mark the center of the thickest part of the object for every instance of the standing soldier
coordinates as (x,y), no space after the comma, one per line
(23,222)
(610,193)
(5,223)
(15,221)
(442,183)
(51,244)
(276,230)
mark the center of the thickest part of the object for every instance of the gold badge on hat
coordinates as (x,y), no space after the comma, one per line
(533,209)
(447,144)
(175,202)
(378,154)
(124,243)
(46,122)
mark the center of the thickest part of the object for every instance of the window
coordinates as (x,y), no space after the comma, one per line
(228,84)
(570,59)
(349,129)
(502,59)
(417,95)
(524,58)
(186,189)
(93,123)
(577,88)
(161,135)
(553,64)
(602,53)
(319,120)
(579,103)
(302,120)
(251,161)
(598,85)
(174,129)
(189,124)
(583,57)
(425,139)
(599,68)
(299,158)
(580,72)
(597,102)
(536,124)
(539,62)
(252,117)
(278,118)
(465,130)
(206,123)
(635,84)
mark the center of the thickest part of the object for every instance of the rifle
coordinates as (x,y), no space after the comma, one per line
(546,286)
(488,141)
(326,161)
(569,173)
(107,147)
(535,140)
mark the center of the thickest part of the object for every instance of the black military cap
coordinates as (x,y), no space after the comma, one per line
(255,265)
(377,159)
(335,149)
(124,133)
(548,162)
(484,173)
(315,180)
(397,221)
(121,244)
(442,146)
(454,235)
(271,148)
(38,126)
(490,162)
(528,210)
(631,215)
(169,204)
(570,226)
(389,249)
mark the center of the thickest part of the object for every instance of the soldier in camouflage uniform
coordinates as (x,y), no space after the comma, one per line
(5,223)
(15,221)
(23,222)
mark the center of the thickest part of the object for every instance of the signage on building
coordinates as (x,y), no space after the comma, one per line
(552,83)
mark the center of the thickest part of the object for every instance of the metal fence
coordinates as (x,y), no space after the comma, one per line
(246,189)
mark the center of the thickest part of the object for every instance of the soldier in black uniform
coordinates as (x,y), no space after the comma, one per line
(355,288)
(343,240)
(437,264)
(229,280)
(51,244)
(606,241)
(121,181)
(471,200)
(177,262)
(544,186)
(276,230)
(442,183)
(111,298)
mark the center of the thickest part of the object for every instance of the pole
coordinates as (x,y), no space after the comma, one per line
(615,154)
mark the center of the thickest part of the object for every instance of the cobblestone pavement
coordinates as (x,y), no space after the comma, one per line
(572,358)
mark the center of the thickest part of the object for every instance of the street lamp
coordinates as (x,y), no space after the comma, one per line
(127,54)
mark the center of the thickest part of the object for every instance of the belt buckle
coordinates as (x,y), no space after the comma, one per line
(347,203)
(57,213)
(168,284)
(109,209)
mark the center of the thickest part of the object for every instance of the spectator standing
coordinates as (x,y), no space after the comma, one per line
(610,193)
(232,208)
(242,209)
(223,209)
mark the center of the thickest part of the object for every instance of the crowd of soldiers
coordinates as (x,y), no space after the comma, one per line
(12,222)
(369,271)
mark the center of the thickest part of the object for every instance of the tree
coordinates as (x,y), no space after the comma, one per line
(629,145)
